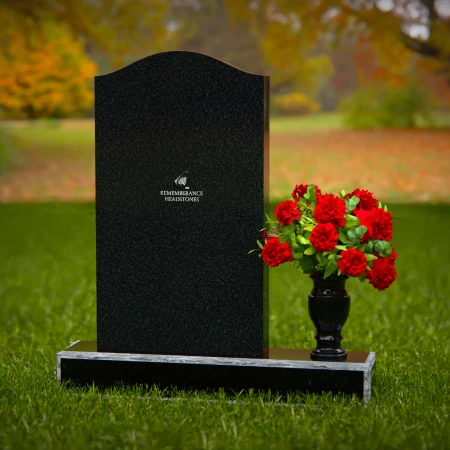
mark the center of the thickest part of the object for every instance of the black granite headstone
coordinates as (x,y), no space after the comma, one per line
(182,179)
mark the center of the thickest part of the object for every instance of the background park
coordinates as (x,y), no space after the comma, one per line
(360,97)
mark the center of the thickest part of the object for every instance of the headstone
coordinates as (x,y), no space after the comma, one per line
(182,176)
(181,183)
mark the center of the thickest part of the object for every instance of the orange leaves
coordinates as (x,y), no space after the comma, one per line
(381,57)
(399,165)
(44,72)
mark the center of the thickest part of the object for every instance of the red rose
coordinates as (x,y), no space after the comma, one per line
(287,212)
(382,274)
(330,209)
(324,237)
(366,199)
(352,262)
(393,257)
(301,189)
(382,225)
(275,253)
(378,223)
(366,219)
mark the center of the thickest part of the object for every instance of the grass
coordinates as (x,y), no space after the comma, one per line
(312,122)
(77,135)
(71,136)
(47,297)
(68,137)
(10,158)
(400,166)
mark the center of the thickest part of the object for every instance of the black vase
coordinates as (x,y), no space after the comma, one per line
(329,308)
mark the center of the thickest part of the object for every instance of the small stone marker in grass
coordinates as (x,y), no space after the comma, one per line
(182,158)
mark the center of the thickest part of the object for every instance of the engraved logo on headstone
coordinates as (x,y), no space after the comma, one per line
(184,195)
(182,179)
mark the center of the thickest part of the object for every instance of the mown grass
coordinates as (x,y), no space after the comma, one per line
(10,157)
(58,160)
(311,122)
(47,298)
(58,137)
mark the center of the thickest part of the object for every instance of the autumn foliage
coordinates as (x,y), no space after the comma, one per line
(44,73)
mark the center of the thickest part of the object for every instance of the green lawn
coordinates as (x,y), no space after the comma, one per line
(47,298)
(77,136)
(312,122)
(71,137)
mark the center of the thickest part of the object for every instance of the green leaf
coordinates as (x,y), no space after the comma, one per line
(309,228)
(259,244)
(297,255)
(354,240)
(362,277)
(351,221)
(319,256)
(341,247)
(283,239)
(361,247)
(370,257)
(303,204)
(324,262)
(310,251)
(381,246)
(307,264)
(380,205)
(360,231)
(289,233)
(330,269)
(385,208)
(369,246)
(342,193)
(302,240)
(386,253)
(342,237)
(351,203)
(301,248)
(254,250)
(311,192)
(271,222)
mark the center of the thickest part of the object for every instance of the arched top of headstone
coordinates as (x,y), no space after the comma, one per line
(178,58)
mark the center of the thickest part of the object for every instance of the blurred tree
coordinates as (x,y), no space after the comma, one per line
(43,73)
(396,30)
(273,37)
(379,58)
(44,68)
(116,27)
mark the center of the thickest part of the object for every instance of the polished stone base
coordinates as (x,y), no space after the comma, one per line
(285,370)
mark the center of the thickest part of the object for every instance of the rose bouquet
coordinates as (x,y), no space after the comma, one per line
(332,237)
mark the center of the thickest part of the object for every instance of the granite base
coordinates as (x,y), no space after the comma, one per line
(283,371)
